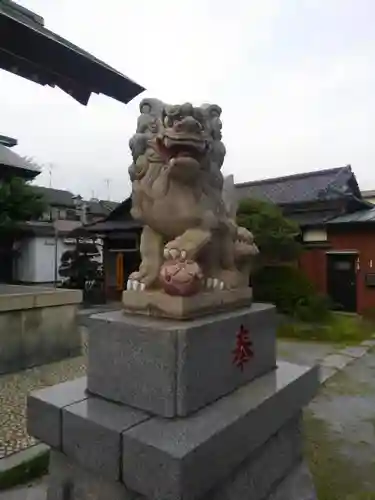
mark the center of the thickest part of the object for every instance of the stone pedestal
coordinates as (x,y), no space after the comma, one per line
(172,368)
(233,429)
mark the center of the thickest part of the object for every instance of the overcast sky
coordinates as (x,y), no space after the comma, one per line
(295,79)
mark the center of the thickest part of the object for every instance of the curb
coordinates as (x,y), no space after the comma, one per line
(338,360)
(23,466)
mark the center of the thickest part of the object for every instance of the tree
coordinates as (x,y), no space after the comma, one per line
(18,203)
(283,285)
(79,267)
(275,235)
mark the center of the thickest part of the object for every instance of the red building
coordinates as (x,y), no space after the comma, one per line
(337,231)
(344,266)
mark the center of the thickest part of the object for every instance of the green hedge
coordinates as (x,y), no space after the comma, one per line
(291,291)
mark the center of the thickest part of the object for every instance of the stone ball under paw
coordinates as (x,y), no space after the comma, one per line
(181,278)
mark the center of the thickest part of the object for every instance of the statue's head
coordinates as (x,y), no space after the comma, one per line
(183,141)
(182,137)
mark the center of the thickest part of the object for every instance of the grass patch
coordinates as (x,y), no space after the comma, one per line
(338,328)
(336,477)
(26,471)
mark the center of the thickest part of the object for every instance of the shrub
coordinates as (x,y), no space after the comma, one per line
(313,309)
(291,292)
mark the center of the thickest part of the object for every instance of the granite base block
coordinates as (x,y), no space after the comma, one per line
(297,485)
(44,410)
(68,480)
(184,458)
(173,368)
(260,474)
(264,475)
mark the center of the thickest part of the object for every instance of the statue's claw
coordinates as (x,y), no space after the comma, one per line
(214,284)
(135,286)
(174,254)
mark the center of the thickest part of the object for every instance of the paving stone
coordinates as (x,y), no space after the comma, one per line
(337,361)
(326,372)
(368,343)
(354,352)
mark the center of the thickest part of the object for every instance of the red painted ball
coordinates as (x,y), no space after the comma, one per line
(181,278)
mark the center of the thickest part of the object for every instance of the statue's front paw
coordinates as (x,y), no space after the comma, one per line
(244,235)
(173,253)
(141,280)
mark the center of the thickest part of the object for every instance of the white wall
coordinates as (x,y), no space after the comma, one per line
(24,264)
(37,259)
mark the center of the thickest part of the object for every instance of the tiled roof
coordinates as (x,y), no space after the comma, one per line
(9,158)
(101,207)
(63,198)
(9,142)
(359,217)
(56,197)
(302,188)
(34,52)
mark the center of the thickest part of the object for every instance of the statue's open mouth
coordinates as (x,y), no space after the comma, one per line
(184,151)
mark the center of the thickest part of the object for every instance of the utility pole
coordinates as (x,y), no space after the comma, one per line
(108,183)
(50,166)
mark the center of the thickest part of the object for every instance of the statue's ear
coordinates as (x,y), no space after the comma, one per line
(230,196)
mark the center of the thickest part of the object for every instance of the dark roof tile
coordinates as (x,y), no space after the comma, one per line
(301,188)
(56,197)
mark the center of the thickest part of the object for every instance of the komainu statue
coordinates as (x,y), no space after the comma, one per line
(190,240)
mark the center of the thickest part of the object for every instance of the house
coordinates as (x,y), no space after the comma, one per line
(11,165)
(337,230)
(42,242)
(310,199)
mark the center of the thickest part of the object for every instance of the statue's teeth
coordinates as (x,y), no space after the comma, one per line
(215,283)
(209,282)
(142,287)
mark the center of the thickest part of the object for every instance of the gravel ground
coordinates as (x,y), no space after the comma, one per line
(14,389)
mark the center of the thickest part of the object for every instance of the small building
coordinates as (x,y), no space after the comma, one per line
(337,230)
(120,234)
(40,244)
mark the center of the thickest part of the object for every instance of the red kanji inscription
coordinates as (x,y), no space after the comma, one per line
(243,351)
